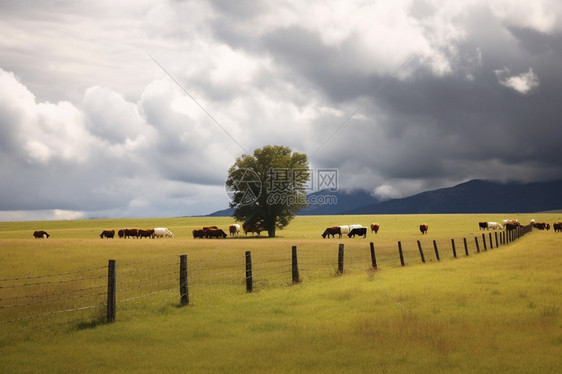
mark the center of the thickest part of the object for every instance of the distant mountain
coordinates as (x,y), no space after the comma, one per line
(325,202)
(475,196)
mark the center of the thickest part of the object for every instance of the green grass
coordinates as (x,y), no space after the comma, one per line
(497,311)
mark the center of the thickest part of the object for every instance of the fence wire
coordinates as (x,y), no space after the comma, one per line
(34,303)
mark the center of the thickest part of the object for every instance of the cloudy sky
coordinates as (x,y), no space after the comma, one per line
(138,108)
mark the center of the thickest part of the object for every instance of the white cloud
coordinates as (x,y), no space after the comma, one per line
(522,83)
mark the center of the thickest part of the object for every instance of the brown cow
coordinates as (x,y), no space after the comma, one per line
(332,231)
(375,227)
(130,232)
(557,226)
(251,228)
(40,234)
(512,225)
(483,225)
(107,234)
(215,233)
(206,228)
(198,233)
(423,228)
(148,233)
(234,229)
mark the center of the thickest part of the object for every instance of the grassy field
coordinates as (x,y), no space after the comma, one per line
(497,311)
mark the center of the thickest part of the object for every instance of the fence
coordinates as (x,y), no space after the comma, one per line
(97,295)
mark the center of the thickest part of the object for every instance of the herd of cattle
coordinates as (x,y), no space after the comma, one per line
(351,231)
(510,224)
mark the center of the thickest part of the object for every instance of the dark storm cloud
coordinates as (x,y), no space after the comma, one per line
(90,125)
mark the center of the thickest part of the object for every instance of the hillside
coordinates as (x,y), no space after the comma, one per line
(475,196)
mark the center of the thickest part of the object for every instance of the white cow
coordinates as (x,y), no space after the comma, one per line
(344,230)
(161,232)
(234,229)
(494,225)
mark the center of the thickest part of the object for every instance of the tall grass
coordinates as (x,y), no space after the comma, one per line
(496,311)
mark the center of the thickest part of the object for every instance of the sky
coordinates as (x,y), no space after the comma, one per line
(138,108)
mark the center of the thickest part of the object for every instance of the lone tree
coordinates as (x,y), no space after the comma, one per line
(268,188)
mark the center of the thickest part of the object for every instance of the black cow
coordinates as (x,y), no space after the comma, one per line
(359,231)
(107,234)
(40,234)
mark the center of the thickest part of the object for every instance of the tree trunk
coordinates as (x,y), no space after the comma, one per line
(271,232)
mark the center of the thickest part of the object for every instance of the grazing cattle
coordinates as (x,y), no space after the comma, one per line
(198,233)
(423,228)
(148,233)
(332,231)
(107,234)
(160,232)
(234,229)
(345,230)
(539,225)
(121,233)
(127,233)
(557,227)
(215,233)
(511,225)
(494,225)
(375,227)
(361,231)
(483,225)
(40,234)
(206,228)
(247,227)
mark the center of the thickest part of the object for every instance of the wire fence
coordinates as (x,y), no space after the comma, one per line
(81,299)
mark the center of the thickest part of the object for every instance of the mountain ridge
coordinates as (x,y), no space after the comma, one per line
(473,196)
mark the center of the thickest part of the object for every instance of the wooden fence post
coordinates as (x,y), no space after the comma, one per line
(184,292)
(465,246)
(111,291)
(249,280)
(454,250)
(477,246)
(496,235)
(436,251)
(421,252)
(491,244)
(484,241)
(401,254)
(340,259)
(295,265)
(373,258)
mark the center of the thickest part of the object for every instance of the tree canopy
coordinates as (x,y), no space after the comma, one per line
(268,187)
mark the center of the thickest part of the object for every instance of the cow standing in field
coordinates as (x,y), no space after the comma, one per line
(146,233)
(333,231)
(483,225)
(360,231)
(494,225)
(40,234)
(198,233)
(107,234)
(160,232)
(423,228)
(127,233)
(557,227)
(234,229)
(251,228)
(375,228)
(344,229)
(215,233)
